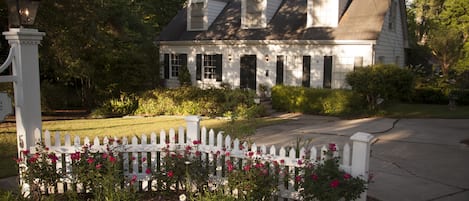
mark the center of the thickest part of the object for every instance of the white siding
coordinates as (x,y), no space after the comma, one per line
(214,9)
(390,44)
(293,69)
(272,7)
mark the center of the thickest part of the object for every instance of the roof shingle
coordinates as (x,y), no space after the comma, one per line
(362,20)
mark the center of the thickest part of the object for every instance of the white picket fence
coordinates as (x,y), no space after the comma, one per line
(354,161)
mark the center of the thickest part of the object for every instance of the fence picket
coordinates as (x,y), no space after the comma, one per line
(272,150)
(76,141)
(313,154)
(86,142)
(228,143)
(181,136)
(263,149)
(219,141)
(323,153)
(47,136)
(57,139)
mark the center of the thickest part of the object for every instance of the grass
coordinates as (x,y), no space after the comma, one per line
(118,127)
(402,110)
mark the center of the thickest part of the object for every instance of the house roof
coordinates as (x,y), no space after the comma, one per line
(362,20)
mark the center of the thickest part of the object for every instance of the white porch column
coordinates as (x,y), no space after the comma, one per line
(25,65)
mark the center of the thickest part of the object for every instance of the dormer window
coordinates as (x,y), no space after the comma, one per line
(197,18)
(323,13)
(253,14)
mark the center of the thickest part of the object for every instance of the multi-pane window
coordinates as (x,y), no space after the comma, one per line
(254,14)
(176,63)
(209,66)
(343,65)
(197,15)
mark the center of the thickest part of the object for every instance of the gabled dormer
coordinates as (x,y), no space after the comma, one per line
(202,13)
(256,14)
(325,13)
(253,14)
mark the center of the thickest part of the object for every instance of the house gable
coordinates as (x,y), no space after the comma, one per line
(202,13)
(324,13)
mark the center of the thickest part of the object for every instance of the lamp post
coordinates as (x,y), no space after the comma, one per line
(23,57)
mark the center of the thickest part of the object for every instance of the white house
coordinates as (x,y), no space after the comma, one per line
(311,43)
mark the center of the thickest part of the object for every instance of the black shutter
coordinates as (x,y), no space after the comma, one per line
(218,70)
(327,82)
(198,66)
(280,64)
(183,58)
(306,71)
(166,66)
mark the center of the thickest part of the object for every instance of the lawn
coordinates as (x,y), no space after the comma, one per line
(118,127)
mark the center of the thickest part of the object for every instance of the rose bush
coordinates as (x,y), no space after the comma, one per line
(327,182)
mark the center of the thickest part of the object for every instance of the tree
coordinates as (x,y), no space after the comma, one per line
(442,26)
(446,45)
(96,50)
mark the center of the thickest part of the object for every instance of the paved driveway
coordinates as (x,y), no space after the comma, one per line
(411,159)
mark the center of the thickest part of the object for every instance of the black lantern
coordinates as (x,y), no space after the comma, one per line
(22,12)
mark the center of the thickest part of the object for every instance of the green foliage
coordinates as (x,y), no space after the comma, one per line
(97,49)
(254,181)
(126,104)
(39,169)
(184,76)
(429,96)
(326,182)
(180,169)
(58,97)
(381,83)
(315,101)
(234,103)
(101,173)
(440,26)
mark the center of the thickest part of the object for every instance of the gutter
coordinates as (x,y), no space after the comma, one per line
(268,42)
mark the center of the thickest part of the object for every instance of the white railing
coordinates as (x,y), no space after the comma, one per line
(354,159)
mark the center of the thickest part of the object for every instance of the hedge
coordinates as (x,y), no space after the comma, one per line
(316,101)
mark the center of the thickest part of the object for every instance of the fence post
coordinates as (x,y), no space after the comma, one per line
(193,128)
(361,157)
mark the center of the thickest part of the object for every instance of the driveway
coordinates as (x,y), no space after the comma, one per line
(411,159)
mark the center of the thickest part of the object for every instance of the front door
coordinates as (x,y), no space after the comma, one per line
(248,72)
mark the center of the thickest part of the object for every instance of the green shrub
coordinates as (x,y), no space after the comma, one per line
(315,101)
(429,96)
(126,104)
(184,76)
(193,100)
(381,82)
(59,97)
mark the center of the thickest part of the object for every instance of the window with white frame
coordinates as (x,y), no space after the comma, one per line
(197,16)
(176,64)
(343,65)
(253,14)
(209,66)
